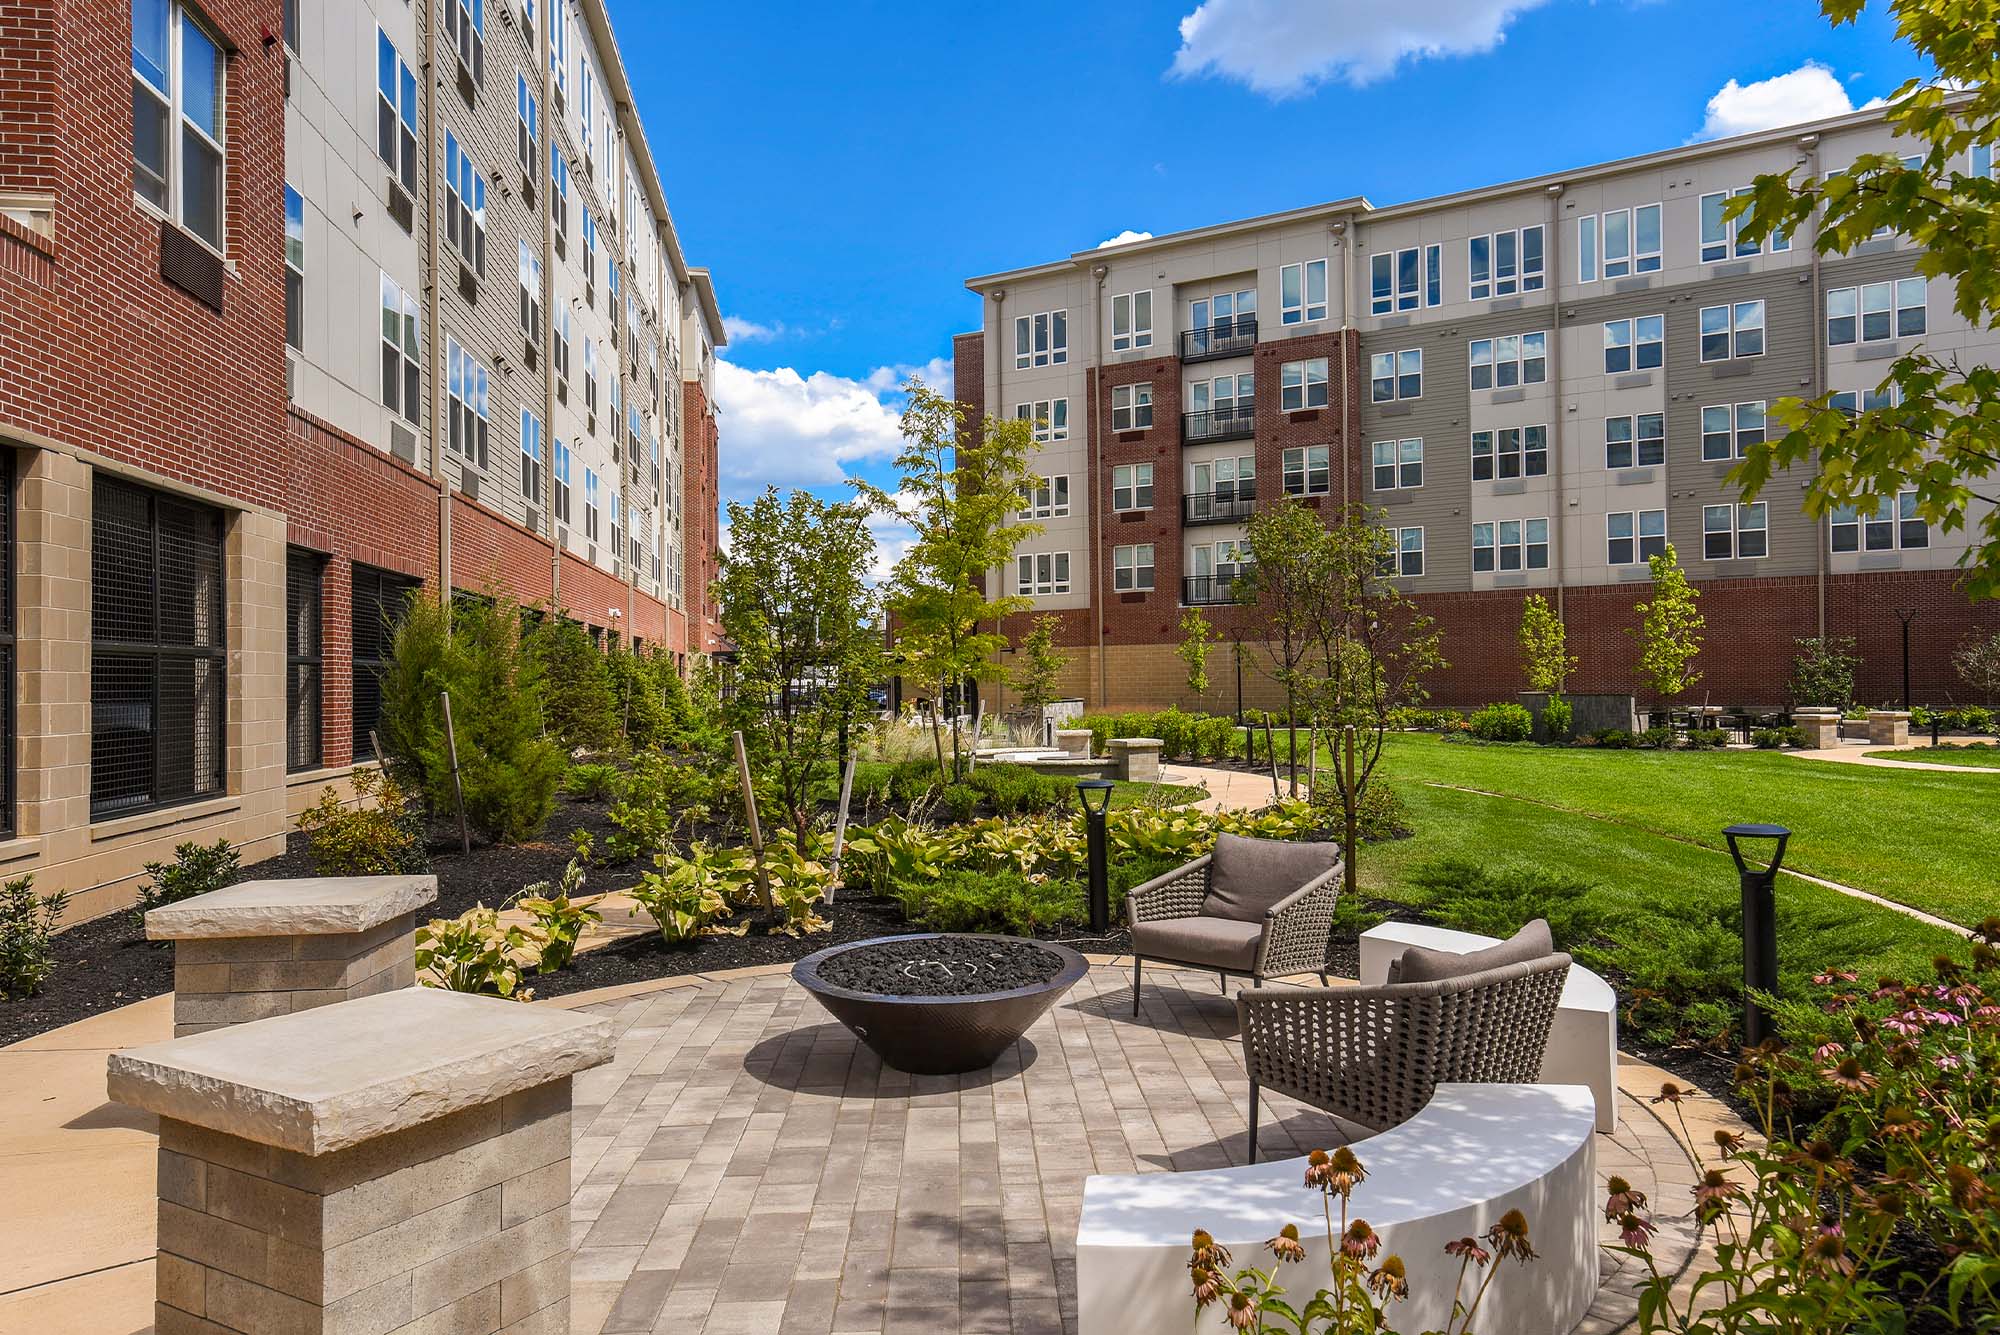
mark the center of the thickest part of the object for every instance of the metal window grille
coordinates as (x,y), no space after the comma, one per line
(379,600)
(304,666)
(159,650)
(7,641)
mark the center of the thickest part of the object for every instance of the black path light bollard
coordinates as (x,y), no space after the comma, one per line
(1095,794)
(1760,924)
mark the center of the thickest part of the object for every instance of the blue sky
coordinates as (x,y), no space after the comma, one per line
(842,168)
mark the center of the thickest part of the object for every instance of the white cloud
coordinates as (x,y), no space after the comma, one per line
(750,331)
(1281,48)
(935,373)
(1125,238)
(1809,93)
(784,429)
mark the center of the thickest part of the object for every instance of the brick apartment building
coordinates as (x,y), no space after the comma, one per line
(309,305)
(1539,384)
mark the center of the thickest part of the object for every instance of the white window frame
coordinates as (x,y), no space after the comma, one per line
(468,388)
(1508,360)
(1903,529)
(1132,320)
(1644,437)
(1716,236)
(1519,277)
(1736,529)
(527,124)
(1625,226)
(1522,449)
(1405,279)
(1738,321)
(1405,369)
(295,268)
(1132,407)
(180,125)
(1643,340)
(465,33)
(1397,465)
(464,203)
(1893,300)
(531,457)
(1510,546)
(1132,487)
(1302,385)
(1050,418)
(1240,485)
(1297,284)
(1747,426)
(1041,339)
(1637,521)
(528,268)
(1133,569)
(590,507)
(562,476)
(1301,465)
(403,112)
(401,306)
(1407,558)
(1045,498)
(1041,574)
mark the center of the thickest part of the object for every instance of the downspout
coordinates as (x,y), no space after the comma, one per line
(433,406)
(1097,478)
(1343,242)
(1810,143)
(1557,465)
(544,145)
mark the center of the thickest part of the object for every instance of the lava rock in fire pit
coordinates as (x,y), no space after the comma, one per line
(941,1003)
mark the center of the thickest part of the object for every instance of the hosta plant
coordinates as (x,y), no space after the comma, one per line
(681,897)
(476,952)
(561,915)
(1361,1291)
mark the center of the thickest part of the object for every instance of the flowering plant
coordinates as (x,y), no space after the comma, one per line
(1357,1299)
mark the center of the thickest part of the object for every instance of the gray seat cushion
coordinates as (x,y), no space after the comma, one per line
(1247,876)
(1421,965)
(1219,943)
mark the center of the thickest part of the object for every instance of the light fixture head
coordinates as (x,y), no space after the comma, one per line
(1095,794)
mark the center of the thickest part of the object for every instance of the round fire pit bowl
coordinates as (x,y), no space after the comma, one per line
(941,1002)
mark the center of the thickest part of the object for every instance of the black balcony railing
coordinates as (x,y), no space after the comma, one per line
(1218,507)
(1226,338)
(1235,422)
(1208,590)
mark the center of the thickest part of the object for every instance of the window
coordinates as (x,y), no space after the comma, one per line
(1630,243)
(1132,487)
(531,458)
(1980,160)
(558,192)
(1875,312)
(1219,312)
(1131,407)
(1586,248)
(559,46)
(1511,544)
(1042,573)
(303,667)
(395,112)
(295,269)
(562,481)
(1719,239)
(1870,400)
(1637,441)
(1633,538)
(466,388)
(562,343)
(1504,263)
(1306,471)
(1731,532)
(1637,344)
(177,131)
(531,294)
(1517,359)
(1404,280)
(1224,480)
(465,29)
(1396,375)
(586,89)
(526,124)
(1399,464)
(1224,395)
(1050,416)
(1046,499)
(1884,527)
(379,601)
(1132,568)
(1302,385)
(590,504)
(401,379)
(159,649)
(1302,292)
(1405,557)
(464,204)
(1041,340)
(1732,331)
(590,375)
(1131,321)
(8,660)
(1510,452)
(1728,433)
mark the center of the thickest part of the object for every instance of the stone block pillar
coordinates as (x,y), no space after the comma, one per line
(1888,727)
(265,948)
(396,1164)
(1138,758)
(1820,724)
(1074,742)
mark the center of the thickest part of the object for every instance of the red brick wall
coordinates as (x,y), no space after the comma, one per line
(30,128)
(699,466)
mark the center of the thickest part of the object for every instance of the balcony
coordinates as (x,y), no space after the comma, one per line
(1229,338)
(1235,422)
(1209,590)
(1218,507)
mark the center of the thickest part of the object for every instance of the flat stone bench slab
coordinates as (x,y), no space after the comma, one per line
(1472,1154)
(272,947)
(397,1164)
(1583,1040)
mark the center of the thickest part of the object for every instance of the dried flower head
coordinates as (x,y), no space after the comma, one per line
(1242,1312)
(1207,1285)
(1729,1142)
(1621,1196)
(1669,1093)
(1339,1172)
(1510,1237)
(1635,1230)
(1286,1246)
(1827,1251)
(1898,1120)
(1208,1252)
(1968,1189)
(1360,1240)
(1390,1281)
(1468,1249)
(1849,1074)
(1716,1188)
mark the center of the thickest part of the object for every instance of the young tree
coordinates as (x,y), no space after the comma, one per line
(1040,667)
(1670,636)
(1545,658)
(796,604)
(1940,435)
(963,483)
(1196,637)
(1977,662)
(1823,671)
(577,700)
(1287,578)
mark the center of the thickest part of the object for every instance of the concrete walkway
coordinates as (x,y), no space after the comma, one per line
(1857,754)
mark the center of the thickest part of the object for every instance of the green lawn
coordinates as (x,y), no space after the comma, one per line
(1972,755)
(1920,838)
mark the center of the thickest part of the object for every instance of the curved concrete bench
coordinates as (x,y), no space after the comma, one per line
(1475,1152)
(1583,1041)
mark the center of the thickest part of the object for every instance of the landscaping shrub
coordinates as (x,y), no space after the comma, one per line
(1682,973)
(960,800)
(682,898)
(1706,739)
(1775,739)
(1613,739)
(576,684)
(1503,723)
(963,900)
(195,870)
(1495,901)
(639,686)
(1654,739)
(474,952)
(1558,720)
(592,782)
(660,797)
(27,926)
(1382,815)
(1823,671)
(561,917)
(1016,790)
(382,836)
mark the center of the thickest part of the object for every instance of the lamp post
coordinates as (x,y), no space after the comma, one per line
(1095,794)
(1906,616)
(1760,926)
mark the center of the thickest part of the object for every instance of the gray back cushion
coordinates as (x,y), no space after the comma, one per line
(1420,965)
(1247,876)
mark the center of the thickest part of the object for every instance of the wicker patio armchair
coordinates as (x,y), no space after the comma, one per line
(1375,1055)
(1259,908)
